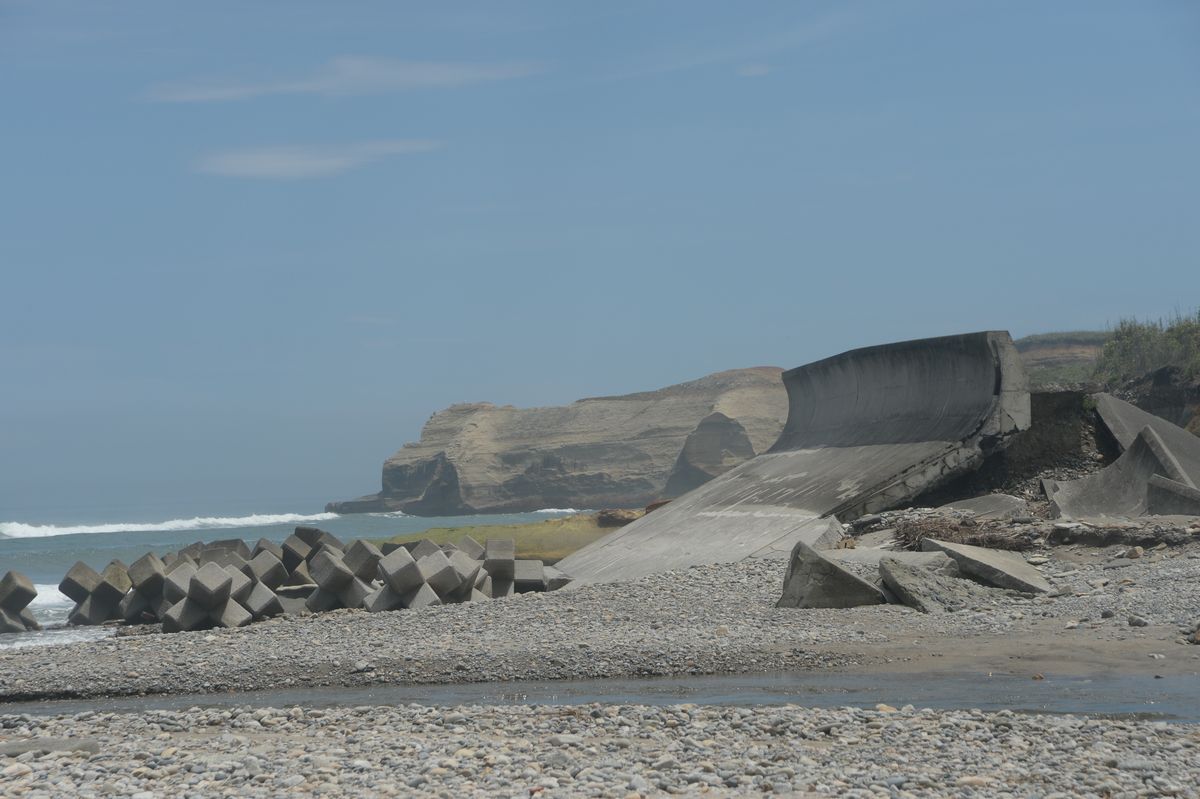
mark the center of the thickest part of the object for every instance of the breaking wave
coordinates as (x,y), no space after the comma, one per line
(559,510)
(48,596)
(21,530)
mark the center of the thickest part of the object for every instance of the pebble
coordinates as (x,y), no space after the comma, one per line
(602,750)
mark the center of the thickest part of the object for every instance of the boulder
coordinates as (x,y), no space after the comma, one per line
(814,581)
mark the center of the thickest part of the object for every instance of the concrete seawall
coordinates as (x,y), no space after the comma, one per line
(867,430)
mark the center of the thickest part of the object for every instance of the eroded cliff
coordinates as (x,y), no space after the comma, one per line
(622,451)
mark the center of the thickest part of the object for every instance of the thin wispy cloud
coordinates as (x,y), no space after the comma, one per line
(291,162)
(351,75)
(750,51)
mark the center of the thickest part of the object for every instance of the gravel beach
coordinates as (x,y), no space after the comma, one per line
(704,620)
(597,750)
(1108,614)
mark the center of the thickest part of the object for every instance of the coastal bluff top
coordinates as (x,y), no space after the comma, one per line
(618,451)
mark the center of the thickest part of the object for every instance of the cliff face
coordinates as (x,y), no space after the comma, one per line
(594,453)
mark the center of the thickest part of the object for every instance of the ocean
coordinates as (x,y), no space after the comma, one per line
(44,551)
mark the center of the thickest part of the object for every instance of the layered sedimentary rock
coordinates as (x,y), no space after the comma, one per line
(867,430)
(623,451)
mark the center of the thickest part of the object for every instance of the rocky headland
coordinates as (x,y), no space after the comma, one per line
(602,452)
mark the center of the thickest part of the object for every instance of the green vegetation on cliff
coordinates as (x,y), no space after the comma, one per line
(550,540)
(1109,358)
(1134,348)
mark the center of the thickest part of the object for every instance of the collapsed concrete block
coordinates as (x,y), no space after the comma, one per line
(933,561)
(175,586)
(501,588)
(399,571)
(266,545)
(499,559)
(438,572)
(16,591)
(992,506)
(262,602)
(363,558)
(992,566)
(209,586)
(484,583)
(528,576)
(147,574)
(471,548)
(240,585)
(330,571)
(424,547)
(814,581)
(924,589)
(295,552)
(478,596)
(30,622)
(267,569)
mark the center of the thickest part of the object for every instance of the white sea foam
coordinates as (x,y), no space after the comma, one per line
(48,596)
(21,530)
(558,510)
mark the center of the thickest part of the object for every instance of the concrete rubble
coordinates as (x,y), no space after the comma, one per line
(1157,473)
(229,584)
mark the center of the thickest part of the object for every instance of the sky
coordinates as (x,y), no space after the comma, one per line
(247,249)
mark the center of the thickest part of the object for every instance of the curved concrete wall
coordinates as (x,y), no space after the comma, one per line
(867,430)
(927,390)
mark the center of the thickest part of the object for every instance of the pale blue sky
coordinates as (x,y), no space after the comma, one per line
(248,248)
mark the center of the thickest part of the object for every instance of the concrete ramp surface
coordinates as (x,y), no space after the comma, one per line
(867,430)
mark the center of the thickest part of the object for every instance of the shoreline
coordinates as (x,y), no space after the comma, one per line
(706,620)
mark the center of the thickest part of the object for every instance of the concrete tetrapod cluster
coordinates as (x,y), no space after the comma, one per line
(16,592)
(228,584)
